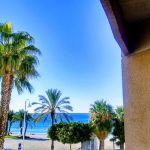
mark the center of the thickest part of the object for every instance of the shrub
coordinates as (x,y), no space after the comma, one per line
(53,131)
(71,133)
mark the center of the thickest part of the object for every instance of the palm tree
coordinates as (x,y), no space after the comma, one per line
(18,59)
(118,127)
(54,106)
(19,116)
(10,121)
(101,120)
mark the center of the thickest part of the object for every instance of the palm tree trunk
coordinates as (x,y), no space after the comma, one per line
(122,147)
(70,146)
(6,89)
(21,127)
(9,128)
(101,146)
(52,118)
(25,129)
(6,131)
(113,145)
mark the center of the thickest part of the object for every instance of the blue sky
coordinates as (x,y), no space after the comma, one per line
(79,54)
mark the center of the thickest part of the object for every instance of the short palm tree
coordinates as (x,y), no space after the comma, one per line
(118,127)
(10,121)
(53,105)
(18,59)
(19,117)
(101,120)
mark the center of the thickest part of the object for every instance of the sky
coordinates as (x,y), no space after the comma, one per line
(80,56)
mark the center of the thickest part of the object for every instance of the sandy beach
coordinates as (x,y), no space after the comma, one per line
(41,142)
(37,142)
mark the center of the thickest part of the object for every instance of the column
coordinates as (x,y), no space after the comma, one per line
(136,97)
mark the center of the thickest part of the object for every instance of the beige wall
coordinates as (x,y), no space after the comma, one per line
(136,95)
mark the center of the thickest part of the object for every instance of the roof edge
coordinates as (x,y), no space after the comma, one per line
(113,13)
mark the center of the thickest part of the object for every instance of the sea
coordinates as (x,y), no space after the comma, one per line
(41,127)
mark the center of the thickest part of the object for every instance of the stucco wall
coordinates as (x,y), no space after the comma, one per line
(136,95)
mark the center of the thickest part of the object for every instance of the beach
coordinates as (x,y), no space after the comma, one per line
(37,142)
(41,142)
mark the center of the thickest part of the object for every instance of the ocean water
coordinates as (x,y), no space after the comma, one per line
(41,127)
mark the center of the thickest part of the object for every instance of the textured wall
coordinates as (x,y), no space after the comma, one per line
(136,95)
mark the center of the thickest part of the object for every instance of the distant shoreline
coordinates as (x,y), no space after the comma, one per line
(28,133)
(41,127)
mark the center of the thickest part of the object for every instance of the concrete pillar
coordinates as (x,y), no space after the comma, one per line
(136,95)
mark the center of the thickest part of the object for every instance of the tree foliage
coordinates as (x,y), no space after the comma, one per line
(118,127)
(19,117)
(101,116)
(18,61)
(53,106)
(53,131)
(10,121)
(71,133)
(101,120)
(18,56)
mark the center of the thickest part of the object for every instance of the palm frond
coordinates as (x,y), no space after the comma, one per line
(18,55)
(66,107)
(64,100)
(23,36)
(43,108)
(46,117)
(37,119)
(35,103)
(53,105)
(53,96)
(21,84)
(31,49)
(27,68)
(64,117)
(44,100)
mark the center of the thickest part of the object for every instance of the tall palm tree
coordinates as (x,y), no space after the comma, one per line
(53,105)
(101,120)
(118,127)
(18,59)
(19,117)
(10,121)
